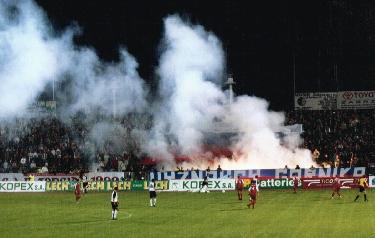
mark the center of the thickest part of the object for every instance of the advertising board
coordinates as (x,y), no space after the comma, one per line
(346,182)
(22,186)
(196,184)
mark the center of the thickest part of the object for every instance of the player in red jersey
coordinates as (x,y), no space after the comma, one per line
(336,187)
(295,183)
(77,191)
(239,187)
(253,195)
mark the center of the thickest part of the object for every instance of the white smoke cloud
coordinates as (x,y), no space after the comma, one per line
(105,93)
(28,55)
(109,136)
(112,89)
(191,71)
(258,146)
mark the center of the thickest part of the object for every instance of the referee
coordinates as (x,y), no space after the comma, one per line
(362,188)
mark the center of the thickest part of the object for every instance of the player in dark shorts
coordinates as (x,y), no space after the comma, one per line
(152,191)
(114,203)
(85,183)
(362,188)
(204,188)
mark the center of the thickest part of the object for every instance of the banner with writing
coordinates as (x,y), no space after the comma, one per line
(331,100)
(271,183)
(196,185)
(346,182)
(99,186)
(356,100)
(315,101)
(270,173)
(22,186)
(91,185)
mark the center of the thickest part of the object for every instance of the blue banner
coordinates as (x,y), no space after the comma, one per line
(271,173)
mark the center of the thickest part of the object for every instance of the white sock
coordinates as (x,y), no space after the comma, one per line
(151,202)
(115,214)
(154,201)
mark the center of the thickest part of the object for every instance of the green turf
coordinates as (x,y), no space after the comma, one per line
(278,213)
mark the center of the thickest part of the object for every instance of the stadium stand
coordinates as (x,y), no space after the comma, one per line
(335,139)
(341,138)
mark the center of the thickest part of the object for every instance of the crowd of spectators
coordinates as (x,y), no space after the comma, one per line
(335,138)
(37,146)
(341,138)
(49,145)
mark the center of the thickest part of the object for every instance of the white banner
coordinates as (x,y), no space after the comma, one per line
(315,101)
(356,100)
(104,176)
(371,181)
(12,177)
(196,184)
(15,186)
(101,176)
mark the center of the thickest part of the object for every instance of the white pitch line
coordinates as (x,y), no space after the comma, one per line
(128,215)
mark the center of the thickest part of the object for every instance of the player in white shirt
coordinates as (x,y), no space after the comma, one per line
(256,182)
(151,189)
(84,180)
(85,183)
(114,203)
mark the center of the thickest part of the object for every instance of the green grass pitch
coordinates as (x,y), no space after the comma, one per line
(278,213)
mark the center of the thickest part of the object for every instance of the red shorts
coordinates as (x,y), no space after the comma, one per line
(253,197)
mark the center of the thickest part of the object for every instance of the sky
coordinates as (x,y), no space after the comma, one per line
(273,48)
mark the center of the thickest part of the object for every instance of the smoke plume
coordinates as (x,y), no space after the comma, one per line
(191,72)
(28,55)
(193,105)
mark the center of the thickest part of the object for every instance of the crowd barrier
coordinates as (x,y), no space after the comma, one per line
(271,173)
(177,184)
(187,181)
